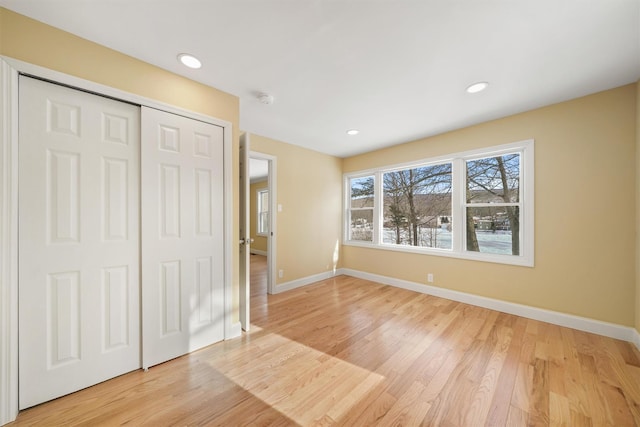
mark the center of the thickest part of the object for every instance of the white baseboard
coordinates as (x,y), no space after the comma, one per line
(636,339)
(258,252)
(568,320)
(234,331)
(287,286)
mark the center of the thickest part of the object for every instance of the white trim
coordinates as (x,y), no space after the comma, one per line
(9,70)
(8,243)
(272,186)
(458,205)
(449,253)
(231,330)
(304,281)
(258,252)
(636,338)
(258,210)
(598,327)
(235,330)
(100,89)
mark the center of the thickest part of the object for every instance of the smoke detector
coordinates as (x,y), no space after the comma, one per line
(265,98)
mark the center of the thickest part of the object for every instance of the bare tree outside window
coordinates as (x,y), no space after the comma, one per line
(417,206)
(361,205)
(493,204)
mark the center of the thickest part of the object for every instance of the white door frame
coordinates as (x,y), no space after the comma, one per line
(272,185)
(245,234)
(10,69)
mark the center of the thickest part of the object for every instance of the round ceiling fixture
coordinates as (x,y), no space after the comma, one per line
(265,98)
(353,132)
(477,87)
(189,61)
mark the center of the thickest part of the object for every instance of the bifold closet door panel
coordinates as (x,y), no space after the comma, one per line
(182,235)
(79,289)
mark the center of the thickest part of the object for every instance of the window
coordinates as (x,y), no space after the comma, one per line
(361,199)
(417,206)
(493,204)
(474,205)
(263,212)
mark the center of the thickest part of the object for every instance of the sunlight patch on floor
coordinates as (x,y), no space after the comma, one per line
(300,382)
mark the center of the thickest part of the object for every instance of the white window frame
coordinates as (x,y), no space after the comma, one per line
(458,205)
(413,165)
(375,209)
(260,210)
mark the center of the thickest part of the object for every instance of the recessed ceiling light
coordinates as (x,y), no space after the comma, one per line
(477,87)
(353,132)
(189,60)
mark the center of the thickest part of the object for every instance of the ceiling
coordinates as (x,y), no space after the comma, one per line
(258,170)
(395,70)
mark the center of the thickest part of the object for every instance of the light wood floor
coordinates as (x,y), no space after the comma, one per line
(351,352)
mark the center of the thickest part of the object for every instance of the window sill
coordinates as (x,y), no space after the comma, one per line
(521,260)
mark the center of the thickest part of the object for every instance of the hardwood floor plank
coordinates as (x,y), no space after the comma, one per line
(350,352)
(579,419)
(506,382)
(480,404)
(539,409)
(371,409)
(409,409)
(618,412)
(559,411)
(517,417)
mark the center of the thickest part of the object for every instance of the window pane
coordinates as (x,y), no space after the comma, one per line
(263,222)
(417,207)
(264,200)
(362,225)
(494,230)
(362,192)
(494,179)
(263,211)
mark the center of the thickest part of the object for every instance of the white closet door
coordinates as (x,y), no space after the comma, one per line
(78,240)
(182,235)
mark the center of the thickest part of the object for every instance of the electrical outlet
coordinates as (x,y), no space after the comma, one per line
(280,273)
(429,278)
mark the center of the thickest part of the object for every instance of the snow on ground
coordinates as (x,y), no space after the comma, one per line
(498,242)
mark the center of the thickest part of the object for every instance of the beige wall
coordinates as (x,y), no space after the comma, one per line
(36,43)
(309,188)
(259,242)
(584,210)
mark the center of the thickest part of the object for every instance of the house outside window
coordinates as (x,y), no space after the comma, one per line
(474,205)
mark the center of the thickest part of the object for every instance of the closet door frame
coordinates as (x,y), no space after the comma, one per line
(10,69)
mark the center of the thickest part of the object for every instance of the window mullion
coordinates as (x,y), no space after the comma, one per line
(490,205)
(527,200)
(458,210)
(346,234)
(378,207)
